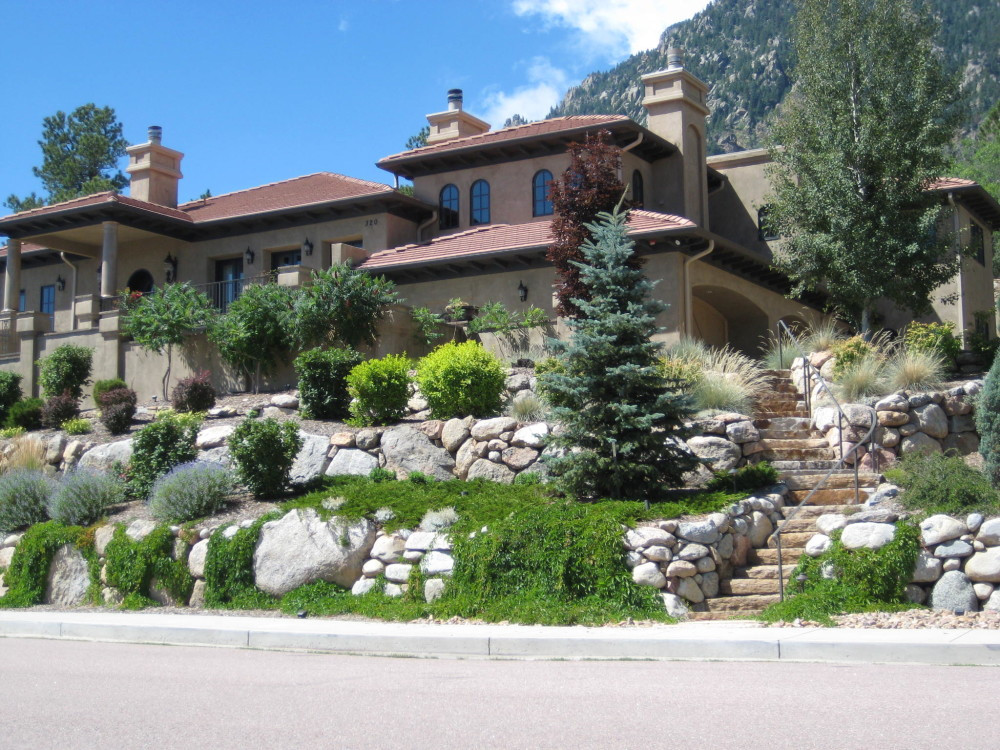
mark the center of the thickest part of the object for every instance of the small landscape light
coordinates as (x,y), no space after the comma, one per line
(301,614)
(802,578)
(959,612)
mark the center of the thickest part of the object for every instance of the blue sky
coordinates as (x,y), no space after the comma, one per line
(254,92)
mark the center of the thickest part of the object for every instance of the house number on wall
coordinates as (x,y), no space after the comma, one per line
(371,222)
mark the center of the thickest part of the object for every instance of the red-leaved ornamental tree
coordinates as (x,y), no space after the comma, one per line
(588,186)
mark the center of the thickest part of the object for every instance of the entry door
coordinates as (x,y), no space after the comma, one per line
(286,258)
(229,278)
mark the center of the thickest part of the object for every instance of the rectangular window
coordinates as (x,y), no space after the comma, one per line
(281,258)
(229,282)
(22,301)
(47,302)
(977,243)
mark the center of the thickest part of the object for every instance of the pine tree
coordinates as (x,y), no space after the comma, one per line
(988,423)
(621,422)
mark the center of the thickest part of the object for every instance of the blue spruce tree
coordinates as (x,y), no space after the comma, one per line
(622,423)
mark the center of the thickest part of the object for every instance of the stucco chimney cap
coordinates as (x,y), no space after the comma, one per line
(155,133)
(675,58)
(454,98)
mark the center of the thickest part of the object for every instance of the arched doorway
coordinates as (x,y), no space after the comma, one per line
(141,281)
(722,316)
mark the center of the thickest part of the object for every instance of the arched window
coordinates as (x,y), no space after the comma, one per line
(480,213)
(540,203)
(448,207)
(638,190)
(140,281)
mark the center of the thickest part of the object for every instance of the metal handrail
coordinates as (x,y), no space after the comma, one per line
(824,386)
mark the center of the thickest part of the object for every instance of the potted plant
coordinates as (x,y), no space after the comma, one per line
(458,310)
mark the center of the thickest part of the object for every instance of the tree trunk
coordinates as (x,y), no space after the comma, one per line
(866,322)
(166,375)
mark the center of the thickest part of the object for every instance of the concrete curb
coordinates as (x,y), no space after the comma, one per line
(691,641)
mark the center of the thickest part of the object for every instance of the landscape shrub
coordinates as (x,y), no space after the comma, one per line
(545,366)
(11,432)
(527,408)
(10,392)
(26,414)
(936,483)
(24,498)
(779,351)
(749,478)
(822,336)
(263,451)
(189,491)
(83,497)
(378,474)
(322,375)
(117,409)
(730,381)
(67,368)
(938,338)
(194,394)
(849,352)
(461,379)
(25,453)
(76,426)
(914,369)
(229,576)
(103,386)
(132,566)
(988,423)
(863,377)
(159,447)
(27,576)
(59,409)
(380,389)
(427,326)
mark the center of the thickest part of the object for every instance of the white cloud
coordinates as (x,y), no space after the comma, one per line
(343,25)
(612,28)
(545,87)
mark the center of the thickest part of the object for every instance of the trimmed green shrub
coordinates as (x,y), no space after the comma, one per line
(117,409)
(749,478)
(849,352)
(936,483)
(103,386)
(938,338)
(26,414)
(189,491)
(159,447)
(10,392)
(59,409)
(380,389)
(24,498)
(264,451)
(67,368)
(132,566)
(28,573)
(84,496)
(378,474)
(195,393)
(322,377)
(988,423)
(461,379)
(76,427)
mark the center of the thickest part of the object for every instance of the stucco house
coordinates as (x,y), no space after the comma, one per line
(476,226)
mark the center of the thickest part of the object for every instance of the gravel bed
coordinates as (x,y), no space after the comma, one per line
(908,620)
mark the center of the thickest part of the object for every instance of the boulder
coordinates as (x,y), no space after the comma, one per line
(955,548)
(954,591)
(760,529)
(918,442)
(102,536)
(893,418)
(688,589)
(649,574)
(675,606)
(989,532)
(6,555)
(398,572)
(702,532)
(388,548)
(276,412)
(648,536)
(368,438)
(914,594)
(213,437)
(285,401)
(54,449)
(867,535)
(742,432)
(973,521)
(858,415)
(465,457)
(140,529)
(993,603)
(483,468)
(453,434)
(342,439)
(940,528)
(681,569)
(351,461)
(487,429)
(362,586)
(932,420)
(311,460)
(830,522)
(692,552)
(301,548)
(197,599)
(519,459)
(983,590)
(825,418)
(719,453)
(984,566)
(531,436)
(656,553)
(818,544)
(196,559)
(101,457)
(895,402)
(437,563)
(710,584)
(433,588)
(68,578)
(407,450)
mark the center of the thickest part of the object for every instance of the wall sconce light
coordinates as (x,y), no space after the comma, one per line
(307,247)
(249,256)
(522,291)
(170,268)
(60,283)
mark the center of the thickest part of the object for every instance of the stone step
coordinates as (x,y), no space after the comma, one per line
(789,556)
(773,433)
(798,524)
(787,374)
(784,423)
(749,586)
(742,604)
(782,414)
(792,540)
(815,511)
(757,571)
(796,454)
(824,464)
(794,444)
(806,481)
(718,616)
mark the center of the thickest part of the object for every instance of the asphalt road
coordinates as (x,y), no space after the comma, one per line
(63,694)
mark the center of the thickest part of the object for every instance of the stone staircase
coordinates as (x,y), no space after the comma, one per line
(802,457)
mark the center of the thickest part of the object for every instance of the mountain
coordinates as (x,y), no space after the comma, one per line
(743,50)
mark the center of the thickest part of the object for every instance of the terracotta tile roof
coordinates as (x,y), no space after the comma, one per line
(945,183)
(498,238)
(26,247)
(98,199)
(530,130)
(321,187)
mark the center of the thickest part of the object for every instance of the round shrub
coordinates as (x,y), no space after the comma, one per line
(380,389)
(461,379)
(10,392)
(117,409)
(103,386)
(59,409)
(24,498)
(849,353)
(988,423)
(76,426)
(84,496)
(189,491)
(938,338)
(159,447)
(67,368)
(264,451)
(26,414)
(322,377)
(194,394)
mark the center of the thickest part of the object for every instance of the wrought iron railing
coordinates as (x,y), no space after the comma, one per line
(223,293)
(8,338)
(811,375)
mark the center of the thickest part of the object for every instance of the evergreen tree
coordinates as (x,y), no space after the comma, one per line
(589,186)
(80,153)
(988,423)
(861,138)
(622,424)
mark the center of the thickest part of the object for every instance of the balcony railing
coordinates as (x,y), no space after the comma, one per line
(224,293)
(9,345)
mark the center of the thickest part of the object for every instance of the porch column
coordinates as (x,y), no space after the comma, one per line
(109,260)
(12,282)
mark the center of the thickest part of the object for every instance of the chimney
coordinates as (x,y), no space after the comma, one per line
(454,122)
(155,170)
(675,102)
